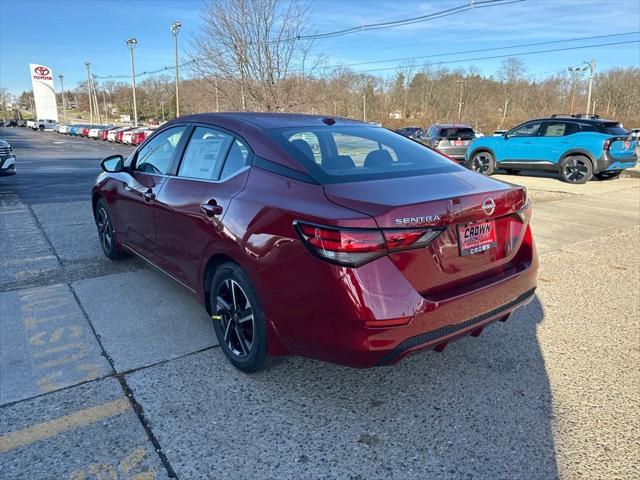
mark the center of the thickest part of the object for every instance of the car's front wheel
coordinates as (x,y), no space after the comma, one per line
(106,233)
(482,162)
(238,319)
(576,169)
(608,175)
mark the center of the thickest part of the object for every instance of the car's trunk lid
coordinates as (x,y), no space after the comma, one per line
(444,201)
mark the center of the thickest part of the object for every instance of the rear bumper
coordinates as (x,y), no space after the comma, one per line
(335,324)
(608,162)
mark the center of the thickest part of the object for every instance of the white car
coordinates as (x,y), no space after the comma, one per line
(44,124)
(63,129)
(31,124)
(111,136)
(127,137)
(95,131)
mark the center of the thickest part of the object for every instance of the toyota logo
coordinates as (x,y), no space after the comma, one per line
(488,206)
(41,70)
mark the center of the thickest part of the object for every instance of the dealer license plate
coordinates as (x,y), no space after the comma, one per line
(476,237)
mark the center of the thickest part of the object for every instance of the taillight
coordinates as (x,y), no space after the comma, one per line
(353,247)
(524,214)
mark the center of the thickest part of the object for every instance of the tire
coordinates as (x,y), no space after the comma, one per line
(576,169)
(608,175)
(482,162)
(106,234)
(41,128)
(233,300)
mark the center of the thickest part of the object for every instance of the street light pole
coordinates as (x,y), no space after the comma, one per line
(64,100)
(88,65)
(592,67)
(461,83)
(131,44)
(175,28)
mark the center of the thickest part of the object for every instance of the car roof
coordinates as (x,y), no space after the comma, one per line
(451,125)
(268,120)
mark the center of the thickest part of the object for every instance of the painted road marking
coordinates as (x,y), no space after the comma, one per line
(72,421)
(109,471)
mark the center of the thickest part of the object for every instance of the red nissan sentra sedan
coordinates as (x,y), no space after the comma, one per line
(317,236)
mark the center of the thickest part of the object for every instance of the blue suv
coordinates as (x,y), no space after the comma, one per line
(577,146)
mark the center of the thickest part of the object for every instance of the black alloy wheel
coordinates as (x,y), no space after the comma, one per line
(238,319)
(106,234)
(576,169)
(482,162)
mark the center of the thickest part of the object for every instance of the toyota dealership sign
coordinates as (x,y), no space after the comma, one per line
(44,93)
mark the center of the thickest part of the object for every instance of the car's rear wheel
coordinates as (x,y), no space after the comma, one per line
(482,162)
(238,319)
(106,233)
(608,175)
(576,169)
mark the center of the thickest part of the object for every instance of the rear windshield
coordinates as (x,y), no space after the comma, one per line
(454,132)
(358,153)
(614,129)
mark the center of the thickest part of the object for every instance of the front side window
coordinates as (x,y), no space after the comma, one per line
(530,129)
(155,157)
(204,154)
(356,153)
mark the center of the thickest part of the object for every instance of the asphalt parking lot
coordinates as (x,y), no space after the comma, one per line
(111,370)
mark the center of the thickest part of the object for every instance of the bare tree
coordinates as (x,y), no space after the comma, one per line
(260,45)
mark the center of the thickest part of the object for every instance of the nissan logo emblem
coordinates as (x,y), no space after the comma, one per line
(488,206)
(41,70)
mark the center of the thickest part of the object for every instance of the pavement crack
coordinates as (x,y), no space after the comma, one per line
(44,234)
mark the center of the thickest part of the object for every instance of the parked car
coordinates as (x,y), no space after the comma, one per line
(31,124)
(12,122)
(7,159)
(22,123)
(75,130)
(127,136)
(94,131)
(411,132)
(634,133)
(105,132)
(139,137)
(576,146)
(63,129)
(450,139)
(120,133)
(323,237)
(111,136)
(44,124)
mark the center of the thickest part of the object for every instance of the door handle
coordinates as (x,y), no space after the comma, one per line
(149,195)
(211,209)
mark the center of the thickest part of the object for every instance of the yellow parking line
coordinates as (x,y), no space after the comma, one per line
(72,421)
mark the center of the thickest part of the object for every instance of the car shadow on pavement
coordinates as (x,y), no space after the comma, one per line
(480,409)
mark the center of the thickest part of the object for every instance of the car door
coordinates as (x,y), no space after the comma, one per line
(136,199)
(517,145)
(554,140)
(192,203)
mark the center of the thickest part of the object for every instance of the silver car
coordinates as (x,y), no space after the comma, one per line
(450,138)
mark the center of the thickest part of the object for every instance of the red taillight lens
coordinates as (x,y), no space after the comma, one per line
(404,239)
(353,247)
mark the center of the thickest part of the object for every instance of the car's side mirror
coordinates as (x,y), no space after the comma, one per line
(113,164)
(506,135)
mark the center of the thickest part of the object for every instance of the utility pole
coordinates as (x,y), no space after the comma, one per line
(88,65)
(217,104)
(131,44)
(96,106)
(175,28)
(364,107)
(592,68)
(104,103)
(242,94)
(461,83)
(64,100)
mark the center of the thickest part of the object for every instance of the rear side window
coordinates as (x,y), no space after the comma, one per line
(356,153)
(560,129)
(236,159)
(614,129)
(204,154)
(455,133)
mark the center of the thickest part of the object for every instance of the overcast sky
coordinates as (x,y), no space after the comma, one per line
(63,34)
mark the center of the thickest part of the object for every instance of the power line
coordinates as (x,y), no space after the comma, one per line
(398,23)
(496,56)
(482,50)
